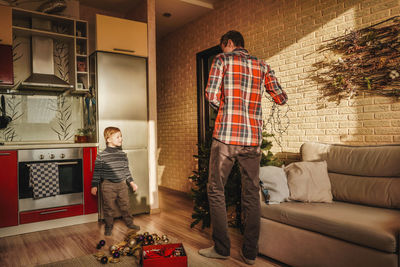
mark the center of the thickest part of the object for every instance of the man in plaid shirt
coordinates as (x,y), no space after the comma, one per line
(235,87)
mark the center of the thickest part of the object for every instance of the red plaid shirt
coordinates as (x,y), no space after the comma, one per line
(234,88)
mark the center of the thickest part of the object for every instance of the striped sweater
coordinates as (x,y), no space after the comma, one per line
(111,164)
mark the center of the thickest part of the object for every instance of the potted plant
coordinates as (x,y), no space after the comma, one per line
(82,135)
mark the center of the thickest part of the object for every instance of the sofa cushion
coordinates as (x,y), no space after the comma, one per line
(366,190)
(274,181)
(309,182)
(363,225)
(375,161)
(373,172)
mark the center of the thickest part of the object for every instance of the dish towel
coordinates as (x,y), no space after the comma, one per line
(43,178)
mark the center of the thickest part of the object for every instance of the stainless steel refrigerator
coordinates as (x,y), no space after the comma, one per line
(120,83)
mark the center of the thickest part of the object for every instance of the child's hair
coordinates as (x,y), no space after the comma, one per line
(109,131)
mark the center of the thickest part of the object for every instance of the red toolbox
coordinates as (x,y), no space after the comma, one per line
(173,255)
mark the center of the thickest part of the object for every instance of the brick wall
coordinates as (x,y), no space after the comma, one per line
(285,33)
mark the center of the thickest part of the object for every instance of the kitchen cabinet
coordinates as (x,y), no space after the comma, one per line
(6,66)
(6,25)
(50,214)
(121,36)
(8,188)
(90,201)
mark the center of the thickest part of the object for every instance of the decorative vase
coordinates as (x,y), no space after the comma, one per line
(81,139)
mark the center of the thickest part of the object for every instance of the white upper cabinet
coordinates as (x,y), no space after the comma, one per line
(121,36)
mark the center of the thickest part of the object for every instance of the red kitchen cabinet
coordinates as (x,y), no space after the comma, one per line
(6,66)
(90,201)
(8,188)
(50,214)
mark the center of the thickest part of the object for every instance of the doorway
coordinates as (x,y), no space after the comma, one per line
(205,115)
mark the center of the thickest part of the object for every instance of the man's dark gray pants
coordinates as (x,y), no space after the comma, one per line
(222,158)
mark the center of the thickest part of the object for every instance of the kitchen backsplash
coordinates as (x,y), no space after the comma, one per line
(42,118)
(45,117)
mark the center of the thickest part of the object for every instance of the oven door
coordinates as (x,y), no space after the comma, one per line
(70,183)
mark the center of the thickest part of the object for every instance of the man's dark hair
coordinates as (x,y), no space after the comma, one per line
(235,36)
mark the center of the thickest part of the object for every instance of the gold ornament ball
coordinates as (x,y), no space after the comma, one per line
(113,248)
(126,250)
(132,243)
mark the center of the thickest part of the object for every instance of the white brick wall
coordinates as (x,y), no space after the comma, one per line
(285,33)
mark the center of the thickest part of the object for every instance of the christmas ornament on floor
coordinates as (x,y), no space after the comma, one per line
(130,246)
(104,260)
(101,244)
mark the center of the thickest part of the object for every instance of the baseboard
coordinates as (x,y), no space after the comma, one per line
(46,225)
(155,211)
(173,191)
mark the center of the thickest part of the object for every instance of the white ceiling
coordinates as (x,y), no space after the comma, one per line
(182,11)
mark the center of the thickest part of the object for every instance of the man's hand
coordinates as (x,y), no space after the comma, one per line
(134,186)
(93,191)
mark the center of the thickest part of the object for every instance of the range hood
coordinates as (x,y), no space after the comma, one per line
(43,77)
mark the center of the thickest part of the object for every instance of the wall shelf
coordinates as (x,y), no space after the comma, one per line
(21,31)
(24,13)
(72,32)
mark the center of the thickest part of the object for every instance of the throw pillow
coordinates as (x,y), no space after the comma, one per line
(309,181)
(274,184)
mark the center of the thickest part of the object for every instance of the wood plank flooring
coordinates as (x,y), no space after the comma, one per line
(78,240)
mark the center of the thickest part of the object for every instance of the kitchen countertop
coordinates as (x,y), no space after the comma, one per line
(16,146)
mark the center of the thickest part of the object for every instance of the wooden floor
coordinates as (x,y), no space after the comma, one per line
(78,240)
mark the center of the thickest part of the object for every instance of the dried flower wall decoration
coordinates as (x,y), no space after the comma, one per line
(365,60)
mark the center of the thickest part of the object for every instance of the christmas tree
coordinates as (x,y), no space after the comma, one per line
(233,188)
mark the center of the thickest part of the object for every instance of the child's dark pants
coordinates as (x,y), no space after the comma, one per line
(115,195)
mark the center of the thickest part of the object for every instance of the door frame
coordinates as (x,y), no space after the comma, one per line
(202,79)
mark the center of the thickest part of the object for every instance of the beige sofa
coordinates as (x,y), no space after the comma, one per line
(360,228)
